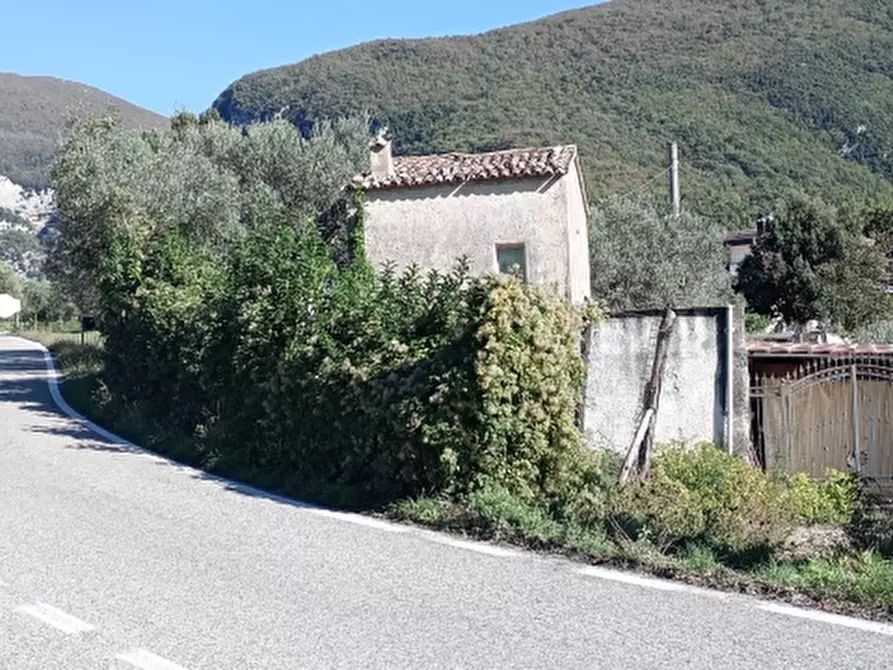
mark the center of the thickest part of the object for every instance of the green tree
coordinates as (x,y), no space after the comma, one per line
(815,262)
(642,258)
(45,302)
(9,281)
(876,332)
(202,181)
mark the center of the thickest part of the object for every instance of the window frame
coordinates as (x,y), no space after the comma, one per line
(512,246)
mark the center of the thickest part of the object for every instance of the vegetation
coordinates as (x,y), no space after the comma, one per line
(12,217)
(236,305)
(243,332)
(9,281)
(815,262)
(876,332)
(705,516)
(765,98)
(34,112)
(863,578)
(643,258)
(720,491)
(41,301)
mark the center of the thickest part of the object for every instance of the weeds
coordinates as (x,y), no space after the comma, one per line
(865,577)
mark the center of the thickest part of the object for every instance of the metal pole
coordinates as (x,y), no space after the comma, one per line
(674,179)
(857,465)
(730,379)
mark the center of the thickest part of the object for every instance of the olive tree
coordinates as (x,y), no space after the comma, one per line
(642,258)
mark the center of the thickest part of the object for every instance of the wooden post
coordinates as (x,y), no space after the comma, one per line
(632,454)
(854,418)
(652,391)
(674,179)
(639,454)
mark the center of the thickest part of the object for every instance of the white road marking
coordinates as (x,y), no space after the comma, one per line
(146,660)
(629,578)
(826,617)
(56,618)
(358,519)
(479,547)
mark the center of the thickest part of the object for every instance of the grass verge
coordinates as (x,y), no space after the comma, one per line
(859,584)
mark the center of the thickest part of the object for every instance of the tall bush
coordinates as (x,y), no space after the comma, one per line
(236,304)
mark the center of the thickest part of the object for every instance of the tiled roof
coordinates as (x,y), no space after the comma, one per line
(817,349)
(741,237)
(457,168)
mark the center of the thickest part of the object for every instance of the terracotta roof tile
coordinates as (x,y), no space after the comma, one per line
(457,167)
(741,237)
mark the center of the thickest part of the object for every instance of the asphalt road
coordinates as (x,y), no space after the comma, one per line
(112,558)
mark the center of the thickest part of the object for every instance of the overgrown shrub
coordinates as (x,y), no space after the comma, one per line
(703,495)
(406,385)
(831,501)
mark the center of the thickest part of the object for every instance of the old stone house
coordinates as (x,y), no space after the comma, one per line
(519,207)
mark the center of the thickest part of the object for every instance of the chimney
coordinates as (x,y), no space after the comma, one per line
(381,158)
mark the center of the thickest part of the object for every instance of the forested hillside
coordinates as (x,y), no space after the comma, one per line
(34,112)
(764,96)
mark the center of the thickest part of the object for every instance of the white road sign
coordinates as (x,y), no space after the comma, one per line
(9,306)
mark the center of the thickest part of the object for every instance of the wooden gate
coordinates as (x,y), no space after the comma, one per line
(828,413)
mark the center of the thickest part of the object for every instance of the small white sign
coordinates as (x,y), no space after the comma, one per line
(9,306)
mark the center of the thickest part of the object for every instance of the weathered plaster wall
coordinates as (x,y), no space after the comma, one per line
(578,238)
(695,395)
(434,226)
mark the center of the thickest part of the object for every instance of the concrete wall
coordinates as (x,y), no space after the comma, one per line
(700,386)
(434,226)
(579,283)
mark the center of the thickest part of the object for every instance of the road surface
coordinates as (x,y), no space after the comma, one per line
(112,558)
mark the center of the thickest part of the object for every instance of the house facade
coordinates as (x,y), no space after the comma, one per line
(738,247)
(521,210)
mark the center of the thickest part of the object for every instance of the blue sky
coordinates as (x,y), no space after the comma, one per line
(170,54)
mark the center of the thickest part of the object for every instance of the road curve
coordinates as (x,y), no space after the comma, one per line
(112,558)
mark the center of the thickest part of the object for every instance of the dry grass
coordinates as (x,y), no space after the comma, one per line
(50,339)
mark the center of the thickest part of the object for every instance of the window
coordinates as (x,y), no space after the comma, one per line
(511,259)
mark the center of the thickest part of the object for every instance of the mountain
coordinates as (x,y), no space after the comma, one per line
(26,218)
(763,96)
(33,115)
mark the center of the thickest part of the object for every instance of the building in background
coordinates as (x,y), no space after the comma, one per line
(521,208)
(738,247)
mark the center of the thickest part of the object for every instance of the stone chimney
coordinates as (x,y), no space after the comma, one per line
(381,158)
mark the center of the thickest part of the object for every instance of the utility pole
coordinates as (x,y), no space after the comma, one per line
(674,179)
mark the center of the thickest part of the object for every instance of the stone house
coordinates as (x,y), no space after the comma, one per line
(519,207)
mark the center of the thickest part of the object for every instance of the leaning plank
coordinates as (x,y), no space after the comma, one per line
(638,458)
(632,455)
(652,391)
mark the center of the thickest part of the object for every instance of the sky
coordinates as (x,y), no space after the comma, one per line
(168,55)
